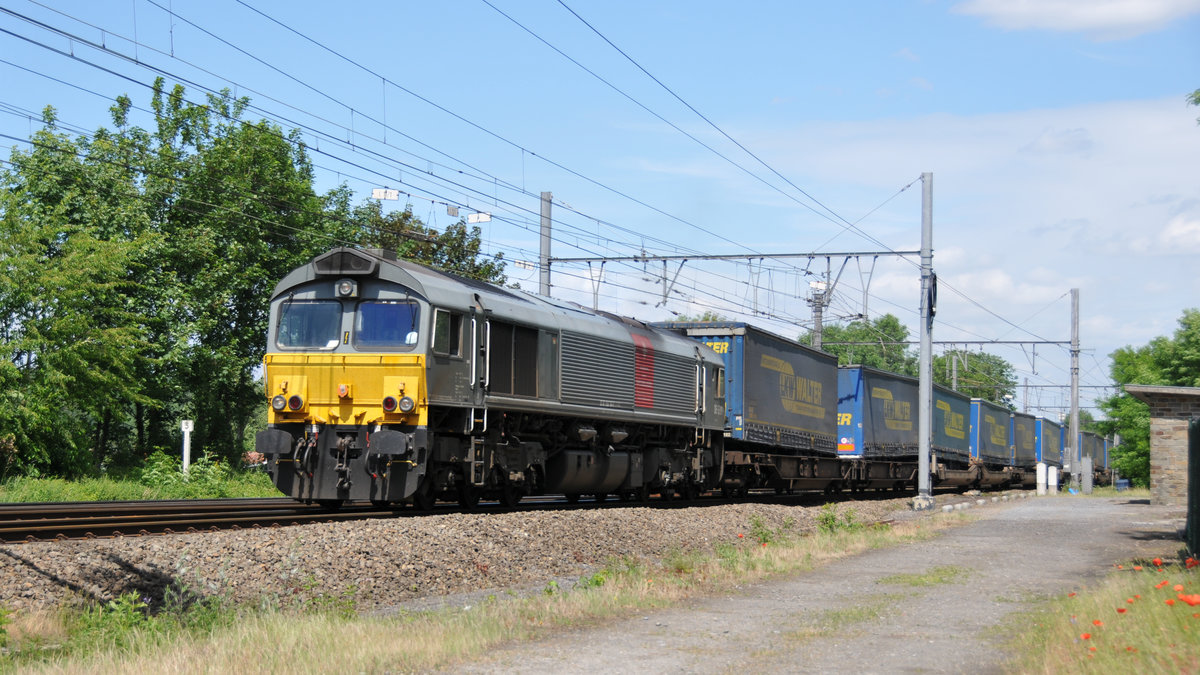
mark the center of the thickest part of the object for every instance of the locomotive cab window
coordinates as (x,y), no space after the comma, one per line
(309,324)
(384,324)
(447,333)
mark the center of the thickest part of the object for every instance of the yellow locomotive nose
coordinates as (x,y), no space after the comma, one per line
(346,388)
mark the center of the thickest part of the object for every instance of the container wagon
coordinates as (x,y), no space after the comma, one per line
(781,408)
(1023,432)
(991,450)
(877,426)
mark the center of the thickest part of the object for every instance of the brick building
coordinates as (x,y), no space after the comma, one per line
(1170,410)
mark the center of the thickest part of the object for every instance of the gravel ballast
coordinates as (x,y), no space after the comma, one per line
(381,564)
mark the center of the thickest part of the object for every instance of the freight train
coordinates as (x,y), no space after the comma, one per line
(397,383)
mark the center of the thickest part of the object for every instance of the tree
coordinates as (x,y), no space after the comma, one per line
(1194,99)
(136,267)
(71,227)
(455,249)
(980,375)
(1173,361)
(885,354)
(706,316)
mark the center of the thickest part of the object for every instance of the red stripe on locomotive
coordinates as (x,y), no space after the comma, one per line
(643,372)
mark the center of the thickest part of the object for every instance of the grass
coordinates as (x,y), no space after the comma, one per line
(943,574)
(161,478)
(1140,619)
(207,635)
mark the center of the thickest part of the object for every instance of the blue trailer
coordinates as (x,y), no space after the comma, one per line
(1024,440)
(1049,443)
(781,407)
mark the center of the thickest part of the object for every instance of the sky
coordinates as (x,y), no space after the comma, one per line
(1057,133)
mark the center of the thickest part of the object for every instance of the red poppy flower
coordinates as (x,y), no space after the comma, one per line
(1120,567)
(1157,562)
(1085,636)
(1192,600)
(1121,610)
(1130,649)
(741,536)
(1138,597)
(1137,567)
(1129,600)
(1162,583)
(1070,595)
(1178,587)
(1170,602)
(1091,649)
(764,544)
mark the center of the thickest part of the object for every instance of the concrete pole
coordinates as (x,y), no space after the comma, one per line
(544,260)
(924,498)
(1076,454)
(818,305)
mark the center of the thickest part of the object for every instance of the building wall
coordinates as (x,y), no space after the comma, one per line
(1169,414)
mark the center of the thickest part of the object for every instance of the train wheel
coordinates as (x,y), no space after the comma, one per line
(468,497)
(510,496)
(572,497)
(331,504)
(601,496)
(642,494)
(691,492)
(424,498)
(666,494)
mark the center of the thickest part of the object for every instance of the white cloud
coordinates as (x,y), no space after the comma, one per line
(907,54)
(1101,19)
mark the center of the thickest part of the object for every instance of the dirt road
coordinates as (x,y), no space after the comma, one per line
(1016,553)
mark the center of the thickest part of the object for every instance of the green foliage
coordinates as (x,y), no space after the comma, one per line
(894,358)
(136,267)
(980,375)
(212,482)
(5,619)
(704,317)
(830,522)
(455,249)
(1194,99)
(1173,361)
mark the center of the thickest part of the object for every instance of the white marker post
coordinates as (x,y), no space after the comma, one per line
(187,427)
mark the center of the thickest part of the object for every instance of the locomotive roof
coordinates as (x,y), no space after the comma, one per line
(457,292)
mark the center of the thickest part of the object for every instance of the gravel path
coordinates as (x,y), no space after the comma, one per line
(1017,552)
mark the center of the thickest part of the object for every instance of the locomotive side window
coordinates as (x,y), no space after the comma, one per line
(447,333)
(309,324)
(386,324)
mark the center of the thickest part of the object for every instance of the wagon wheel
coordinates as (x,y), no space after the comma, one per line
(510,495)
(331,504)
(424,498)
(572,497)
(601,496)
(468,496)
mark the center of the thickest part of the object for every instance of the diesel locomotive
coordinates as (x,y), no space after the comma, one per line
(393,382)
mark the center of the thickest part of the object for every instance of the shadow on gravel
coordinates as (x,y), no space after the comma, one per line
(50,576)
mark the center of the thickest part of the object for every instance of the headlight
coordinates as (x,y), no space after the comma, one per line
(295,403)
(407,404)
(278,403)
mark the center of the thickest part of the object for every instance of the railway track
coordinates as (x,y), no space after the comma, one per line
(88,520)
(59,521)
